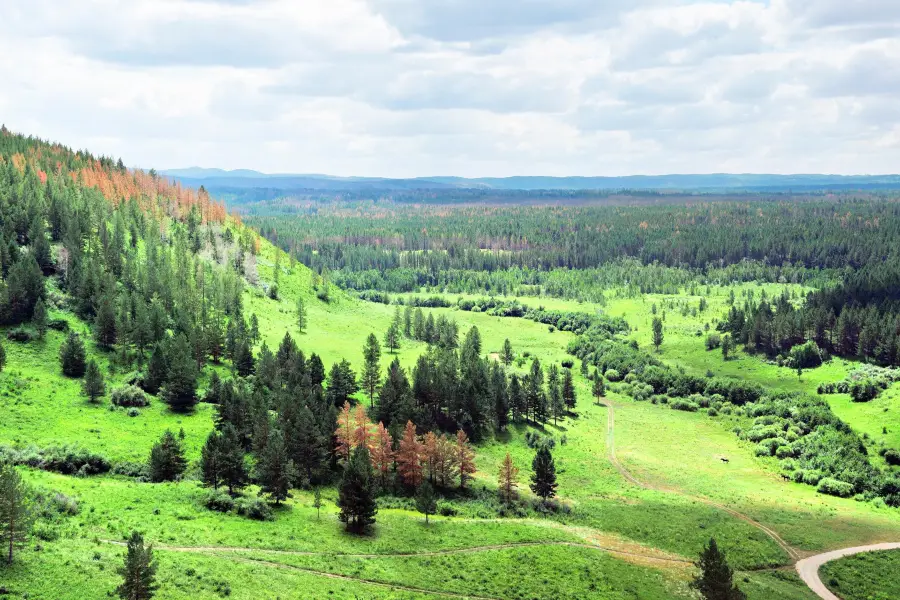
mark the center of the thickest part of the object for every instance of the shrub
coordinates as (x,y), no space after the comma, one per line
(807,356)
(129,396)
(58,324)
(784,452)
(612,375)
(218,501)
(20,334)
(863,390)
(685,405)
(892,457)
(835,487)
(713,341)
(568,363)
(68,460)
(253,508)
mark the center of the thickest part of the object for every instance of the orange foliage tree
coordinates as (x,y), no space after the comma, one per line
(382,452)
(464,458)
(508,480)
(409,457)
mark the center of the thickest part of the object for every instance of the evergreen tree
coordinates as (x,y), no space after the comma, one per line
(426,501)
(105,323)
(356,493)
(276,471)
(543,477)
(93,385)
(568,390)
(72,356)
(157,370)
(507,356)
(139,571)
(243,358)
(39,318)
(371,373)
(2,356)
(25,286)
(407,321)
(517,399)
(301,315)
(16,511)
(395,398)
(598,389)
(316,370)
(392,338)
(508,480)
(726,346)
(233,469)
(317,502)
(211,460)
(167,461)
(341,383)
(715,580)
(180,388)
(657,332)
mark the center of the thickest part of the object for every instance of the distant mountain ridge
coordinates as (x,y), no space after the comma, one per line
(245,179)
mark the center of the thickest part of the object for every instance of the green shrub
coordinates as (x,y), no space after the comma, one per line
(253,508)
(863,390)
(892,457)
(612,375)
(129,396)
(219,501)
(685,405)
(835,487)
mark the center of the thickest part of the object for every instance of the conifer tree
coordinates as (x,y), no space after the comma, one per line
(167,461)
(464,458)
(276,470)
(543,477)
(409,457)
(344,432)
(16,511)
(2,356)
(407,321)
(727,346)
(139,571)
(317,370)
(157,370)
(426,501)
(392,338)
(39,318)
(93,385)
(301,315)
(371,373)
(180,388)
(657,332)
(317,502)
(105,323)
(211,460)
(598,388)
(507,356)
(356,493)
(231,457)
(568,390)
(716,579)
(382,452)
(508,480)
(72,356)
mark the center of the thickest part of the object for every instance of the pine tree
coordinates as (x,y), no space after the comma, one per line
(16,511)
(543,477)
(72,356)
(211,460)
(344,433)
(409,457)
(382,452)
(157,370)
(105,323)
(392,338)
(167,461)
(715,580)
(598,389)
(301,315)
(139,571)
(371,373)
(464,458)
(508,480)
(93,385)
(356,493)
(276,471)
(317,502)
(39,318)
(426,501)
(2,356)
(507,356)
(657,332)
(727,346)
(407,321)
(568,390)
(180,388)
(231,459)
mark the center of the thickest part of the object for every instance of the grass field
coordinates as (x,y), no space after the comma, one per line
(866,576)
(618,540)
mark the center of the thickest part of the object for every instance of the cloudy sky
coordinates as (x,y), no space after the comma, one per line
(461,87)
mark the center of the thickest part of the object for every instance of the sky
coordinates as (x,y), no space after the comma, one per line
(401,88)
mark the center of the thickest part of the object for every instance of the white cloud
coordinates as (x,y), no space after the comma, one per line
(424,87)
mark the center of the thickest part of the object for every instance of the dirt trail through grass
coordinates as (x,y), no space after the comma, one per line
(610,435)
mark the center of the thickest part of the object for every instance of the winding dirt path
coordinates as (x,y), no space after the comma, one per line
(808,568)
(610,437)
